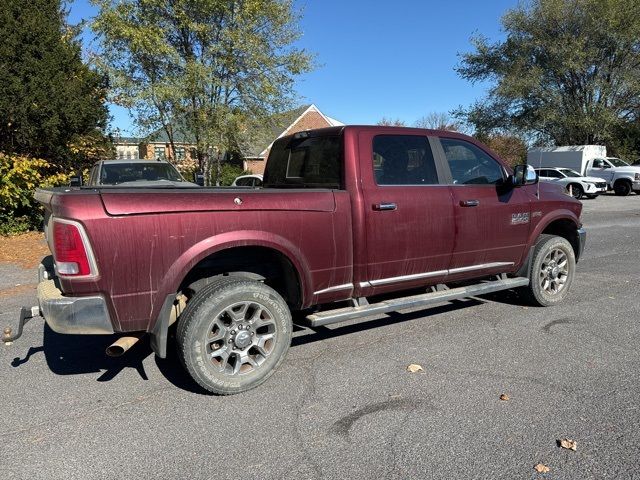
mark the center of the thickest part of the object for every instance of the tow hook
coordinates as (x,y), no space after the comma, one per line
(26,314)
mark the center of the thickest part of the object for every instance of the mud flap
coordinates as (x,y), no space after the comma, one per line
(158,334)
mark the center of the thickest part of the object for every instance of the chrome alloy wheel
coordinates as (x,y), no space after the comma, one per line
(554,271)
(241,338)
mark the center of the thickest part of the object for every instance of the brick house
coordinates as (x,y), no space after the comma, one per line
(253,153)
(127,148)
(306,117)
(154,146)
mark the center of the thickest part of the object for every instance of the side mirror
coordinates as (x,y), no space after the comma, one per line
(198,178)
(524,175)
(76,181)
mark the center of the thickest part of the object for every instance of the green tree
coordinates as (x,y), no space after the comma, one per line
(206,66)
(49,99)
(568,72)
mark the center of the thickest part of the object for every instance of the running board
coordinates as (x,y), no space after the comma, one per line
(343,314)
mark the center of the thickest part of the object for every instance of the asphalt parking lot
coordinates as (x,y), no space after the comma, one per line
(343,405)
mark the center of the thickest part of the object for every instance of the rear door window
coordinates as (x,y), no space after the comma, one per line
(403,160)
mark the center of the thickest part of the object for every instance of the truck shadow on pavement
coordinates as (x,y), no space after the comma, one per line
(85,354)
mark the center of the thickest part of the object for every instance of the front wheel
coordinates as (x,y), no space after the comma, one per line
(233,335)
(552,270)
(576,191)
(622,188)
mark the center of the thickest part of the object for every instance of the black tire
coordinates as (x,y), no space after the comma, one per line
(591,197)
(576,191)
(233,334)
(543,274)
(622,188)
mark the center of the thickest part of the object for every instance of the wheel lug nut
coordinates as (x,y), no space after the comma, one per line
(233,332)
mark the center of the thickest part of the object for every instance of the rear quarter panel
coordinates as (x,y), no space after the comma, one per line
(149,240)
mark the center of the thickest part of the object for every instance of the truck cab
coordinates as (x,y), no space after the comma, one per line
(620,176)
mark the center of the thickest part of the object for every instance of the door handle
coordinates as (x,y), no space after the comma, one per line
(385,206)
(469,203)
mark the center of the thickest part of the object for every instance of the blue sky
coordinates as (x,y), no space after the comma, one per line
(377,58)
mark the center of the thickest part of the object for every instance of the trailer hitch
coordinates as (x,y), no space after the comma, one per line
(26,314)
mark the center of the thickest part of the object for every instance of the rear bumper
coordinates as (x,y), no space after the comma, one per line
(582,239)
(72,315)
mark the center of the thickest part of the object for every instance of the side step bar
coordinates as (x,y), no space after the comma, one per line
(343,314)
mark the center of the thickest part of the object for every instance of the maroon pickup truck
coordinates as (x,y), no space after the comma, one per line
(347,218)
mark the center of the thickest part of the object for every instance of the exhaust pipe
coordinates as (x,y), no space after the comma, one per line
(120,346)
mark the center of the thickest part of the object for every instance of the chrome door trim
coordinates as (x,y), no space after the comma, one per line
(406,278)
(482,266)
(335,288)
(437,273)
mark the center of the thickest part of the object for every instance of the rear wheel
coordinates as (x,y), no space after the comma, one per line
(233,334)
(622,188)
(551,272)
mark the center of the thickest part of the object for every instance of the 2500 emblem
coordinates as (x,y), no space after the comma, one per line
(519,218)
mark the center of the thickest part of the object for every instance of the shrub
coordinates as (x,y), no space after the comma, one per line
(228,174)
(19,177)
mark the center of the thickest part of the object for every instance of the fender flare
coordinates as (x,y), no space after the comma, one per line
(217,243)
(546,220)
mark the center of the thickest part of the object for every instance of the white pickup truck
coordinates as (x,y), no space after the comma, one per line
(591,161)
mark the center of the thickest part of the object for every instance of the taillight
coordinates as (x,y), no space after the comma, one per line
(71,249)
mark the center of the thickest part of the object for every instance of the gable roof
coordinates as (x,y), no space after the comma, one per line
(264,133)
(261,133)
(278,125)
(181,134)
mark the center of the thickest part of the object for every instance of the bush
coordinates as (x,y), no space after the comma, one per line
(19,177)
(15,225)
(228,174)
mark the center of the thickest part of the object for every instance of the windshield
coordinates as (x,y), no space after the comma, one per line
(569,173)
(117,173)
(616,162)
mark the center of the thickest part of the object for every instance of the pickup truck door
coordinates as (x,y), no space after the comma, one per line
(599,167)
(408,215)
(492,220)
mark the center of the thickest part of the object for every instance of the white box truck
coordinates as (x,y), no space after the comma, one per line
(591,161)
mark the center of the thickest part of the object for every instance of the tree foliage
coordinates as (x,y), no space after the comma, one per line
(510,148)
(49,99)
(204,66)
(568,71)
(19,177)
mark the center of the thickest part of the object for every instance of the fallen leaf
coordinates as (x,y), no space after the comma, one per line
(414,367)
(504,397)
(568,444)
(541,468)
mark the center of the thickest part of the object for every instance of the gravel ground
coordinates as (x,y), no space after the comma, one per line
(342,405)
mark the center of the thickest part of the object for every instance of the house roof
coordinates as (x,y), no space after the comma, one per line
(127,140)
(260,134)
(277,126)
(181,134)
